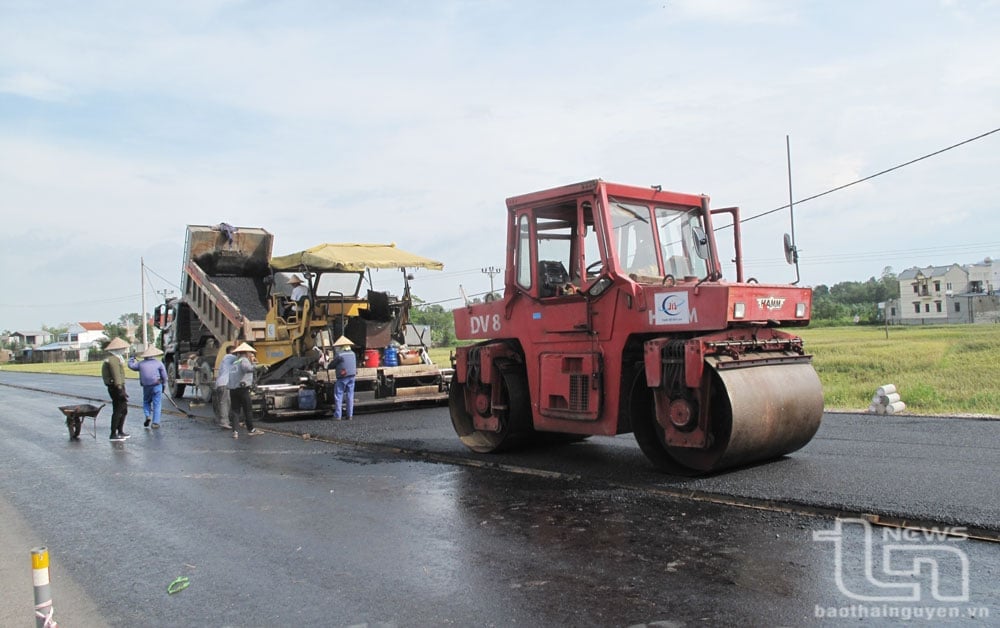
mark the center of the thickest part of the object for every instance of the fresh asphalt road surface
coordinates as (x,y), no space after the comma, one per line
(387,520)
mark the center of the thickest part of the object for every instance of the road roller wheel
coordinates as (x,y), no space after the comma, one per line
(515,421)
(648,433)
(757,413)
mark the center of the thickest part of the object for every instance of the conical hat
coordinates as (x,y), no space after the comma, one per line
(117,344)
(151,352)
(343,341)
(244,348)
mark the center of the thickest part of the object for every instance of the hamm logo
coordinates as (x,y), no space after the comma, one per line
(770,303)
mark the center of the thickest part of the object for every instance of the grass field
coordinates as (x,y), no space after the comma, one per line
(947,369)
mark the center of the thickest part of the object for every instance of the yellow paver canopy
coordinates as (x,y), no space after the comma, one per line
(351,257)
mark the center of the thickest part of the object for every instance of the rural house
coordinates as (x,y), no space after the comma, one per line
(946,294)
(72,346)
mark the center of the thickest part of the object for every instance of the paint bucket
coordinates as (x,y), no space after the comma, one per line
(371,358)
(391,356)
(307,399)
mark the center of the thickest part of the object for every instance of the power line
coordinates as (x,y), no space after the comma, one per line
(165,280)
(984,247)
(426,303)
(871,176)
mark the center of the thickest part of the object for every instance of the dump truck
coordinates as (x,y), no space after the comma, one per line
(235,291)
(615,318)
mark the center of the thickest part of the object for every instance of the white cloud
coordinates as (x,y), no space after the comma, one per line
(747,11)
(332,122)
(33,86)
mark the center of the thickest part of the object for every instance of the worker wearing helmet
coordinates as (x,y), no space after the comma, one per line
(345,365)
(240,382)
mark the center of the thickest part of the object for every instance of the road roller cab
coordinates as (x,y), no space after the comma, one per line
(616,318)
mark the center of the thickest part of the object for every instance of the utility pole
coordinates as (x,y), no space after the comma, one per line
(142,320)
(492,271)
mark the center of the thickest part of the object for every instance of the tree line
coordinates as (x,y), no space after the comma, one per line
(852,302)
(844,303)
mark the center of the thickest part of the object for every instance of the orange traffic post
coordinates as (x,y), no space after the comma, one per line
(43,594)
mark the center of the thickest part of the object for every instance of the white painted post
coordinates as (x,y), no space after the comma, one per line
(43,594)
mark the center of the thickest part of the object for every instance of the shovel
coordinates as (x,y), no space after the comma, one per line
(174,404)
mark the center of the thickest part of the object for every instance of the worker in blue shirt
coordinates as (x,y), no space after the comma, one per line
(345,366)
(221,402)
(153,377)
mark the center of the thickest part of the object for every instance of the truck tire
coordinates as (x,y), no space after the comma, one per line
(205,382)
(176,390)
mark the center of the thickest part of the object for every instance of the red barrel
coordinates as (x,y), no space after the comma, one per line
(371,358)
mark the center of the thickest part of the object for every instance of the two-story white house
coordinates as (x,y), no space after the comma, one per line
(924,292)
(84,334)
(946,294)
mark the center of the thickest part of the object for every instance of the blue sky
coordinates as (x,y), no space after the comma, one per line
(411,122)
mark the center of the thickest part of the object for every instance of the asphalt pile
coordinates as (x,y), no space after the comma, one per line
(248,293)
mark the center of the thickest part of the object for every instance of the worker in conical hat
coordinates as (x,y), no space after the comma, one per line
(300,292)
(153,377)
(113,374)
(240,382)
(116,344)
(151,352)
(345,365)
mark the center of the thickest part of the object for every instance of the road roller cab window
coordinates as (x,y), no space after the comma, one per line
(565,243)
(657,241)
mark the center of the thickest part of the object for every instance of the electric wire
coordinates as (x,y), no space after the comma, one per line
(871,176)
(824,259)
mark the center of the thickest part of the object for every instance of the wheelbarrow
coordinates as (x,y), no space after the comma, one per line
(75,416)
